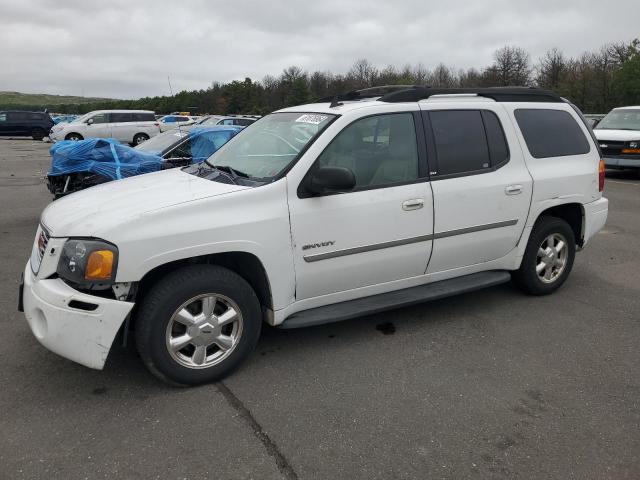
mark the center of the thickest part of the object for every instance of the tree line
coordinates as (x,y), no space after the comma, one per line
(595,81)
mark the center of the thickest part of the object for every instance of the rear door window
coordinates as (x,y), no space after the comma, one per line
(144,117)
(551,133)
(466,142)
(121,117)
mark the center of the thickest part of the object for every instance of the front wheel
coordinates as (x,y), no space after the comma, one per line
(548,258)
(74,137)
(38,133)
(197,325)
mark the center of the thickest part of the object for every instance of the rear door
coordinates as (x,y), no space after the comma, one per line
(122,126)
(481,187)
(5,125)
(19,123)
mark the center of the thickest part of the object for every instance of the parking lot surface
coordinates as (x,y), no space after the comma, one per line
(493,384)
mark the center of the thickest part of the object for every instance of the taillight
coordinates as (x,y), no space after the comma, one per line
(601,169)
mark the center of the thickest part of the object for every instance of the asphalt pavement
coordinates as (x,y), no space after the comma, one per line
(492,384)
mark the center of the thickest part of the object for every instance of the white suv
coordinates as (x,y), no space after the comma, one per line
(315,214)
(126,126)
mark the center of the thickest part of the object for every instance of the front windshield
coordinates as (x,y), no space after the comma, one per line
(162,141)
(266,147)
(209,121)
(624,119)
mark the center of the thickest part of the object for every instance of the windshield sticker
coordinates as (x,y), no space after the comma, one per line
(314,119)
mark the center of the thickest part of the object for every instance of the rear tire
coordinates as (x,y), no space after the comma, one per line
(139,138)
(548,258)
(38,133)
(197,324)
(74,137)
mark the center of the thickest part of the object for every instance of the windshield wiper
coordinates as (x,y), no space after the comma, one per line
(232,171)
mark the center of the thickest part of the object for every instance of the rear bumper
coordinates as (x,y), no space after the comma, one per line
(628,161)
(595,217)
(77,334)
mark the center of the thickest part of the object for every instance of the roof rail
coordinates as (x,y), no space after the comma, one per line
(363,93)
(499,94)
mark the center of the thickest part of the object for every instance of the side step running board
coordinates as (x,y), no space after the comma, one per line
(399,298)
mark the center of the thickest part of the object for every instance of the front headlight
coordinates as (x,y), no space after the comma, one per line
(88,262)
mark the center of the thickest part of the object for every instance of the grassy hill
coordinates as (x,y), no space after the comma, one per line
(27,101)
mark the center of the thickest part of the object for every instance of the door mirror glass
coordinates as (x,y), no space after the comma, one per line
(331,180)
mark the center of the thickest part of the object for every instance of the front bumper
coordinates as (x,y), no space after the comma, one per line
(627,161)
(595,216)
(84,336)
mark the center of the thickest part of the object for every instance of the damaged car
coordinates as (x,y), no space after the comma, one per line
(76,165)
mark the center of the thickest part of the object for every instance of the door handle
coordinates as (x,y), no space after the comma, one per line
(414,204)
(513,189)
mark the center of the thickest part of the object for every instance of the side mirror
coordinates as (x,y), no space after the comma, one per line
(90,121)
(331,180)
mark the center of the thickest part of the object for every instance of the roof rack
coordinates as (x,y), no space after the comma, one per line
(371,92)
(499,94)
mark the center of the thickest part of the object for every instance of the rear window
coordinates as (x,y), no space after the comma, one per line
(551,133)
(119,117)
(144,117)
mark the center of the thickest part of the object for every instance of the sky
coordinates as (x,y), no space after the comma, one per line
(128,48)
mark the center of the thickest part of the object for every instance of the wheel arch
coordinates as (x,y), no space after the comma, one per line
(245,264)
(572,213)
(67,135)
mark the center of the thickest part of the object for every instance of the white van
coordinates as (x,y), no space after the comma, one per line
(127,126)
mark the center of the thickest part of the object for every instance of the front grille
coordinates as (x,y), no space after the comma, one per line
(39,247)
(611,147)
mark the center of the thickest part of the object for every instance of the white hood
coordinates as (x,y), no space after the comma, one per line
(617,135)
(105,206)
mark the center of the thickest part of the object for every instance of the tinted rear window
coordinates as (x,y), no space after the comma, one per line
(461,143)
(144,117)
(118,117)
(551,133)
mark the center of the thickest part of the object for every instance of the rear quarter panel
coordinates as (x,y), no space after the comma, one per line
(559,180)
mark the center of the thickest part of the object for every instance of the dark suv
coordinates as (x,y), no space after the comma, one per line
(25,124)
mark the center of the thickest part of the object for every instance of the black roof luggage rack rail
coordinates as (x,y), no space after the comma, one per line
(499,94)
(363,93)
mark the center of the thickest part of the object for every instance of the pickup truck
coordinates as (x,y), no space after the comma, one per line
(318,213)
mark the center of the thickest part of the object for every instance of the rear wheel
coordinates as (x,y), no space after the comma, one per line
(197,325)
(38,133)
(74,137)
(139,138)
(548,258)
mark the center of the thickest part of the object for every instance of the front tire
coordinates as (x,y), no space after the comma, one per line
(548,258)
(74,137)
(38,133)
(197,325)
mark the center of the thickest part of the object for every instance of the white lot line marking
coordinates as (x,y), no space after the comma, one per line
(623,183)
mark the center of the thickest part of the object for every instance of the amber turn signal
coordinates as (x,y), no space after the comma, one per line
(99,265)
(631,150)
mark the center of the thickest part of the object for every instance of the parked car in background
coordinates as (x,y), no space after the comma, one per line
(126,126)
(14,123)
(83,164)
(240,120)
(619,136)
(169,122)
(63,118)
(593,118)
(318,213)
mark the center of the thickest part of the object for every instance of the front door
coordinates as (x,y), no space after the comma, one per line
(481,188)
(100,128)
(380,231)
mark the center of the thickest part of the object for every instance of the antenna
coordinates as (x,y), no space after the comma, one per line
(171,92)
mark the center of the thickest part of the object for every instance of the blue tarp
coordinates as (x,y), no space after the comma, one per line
(205,141)
(111,159)
(104,156)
